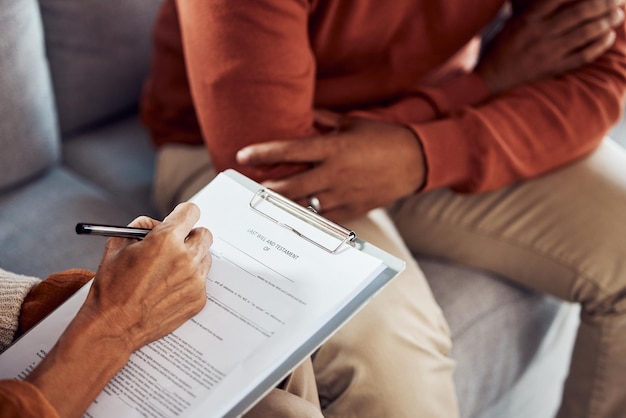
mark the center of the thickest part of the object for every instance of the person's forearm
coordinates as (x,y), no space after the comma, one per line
(143,290)
(82,362)
(528,131)
(433,102)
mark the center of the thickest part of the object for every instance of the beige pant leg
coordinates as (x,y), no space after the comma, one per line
(181,171)
(297,397)
(392,358)
(563,233)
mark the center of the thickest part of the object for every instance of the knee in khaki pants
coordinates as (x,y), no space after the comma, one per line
(391,359)
(395,348)
(563,234)
(296,397)
(181,171)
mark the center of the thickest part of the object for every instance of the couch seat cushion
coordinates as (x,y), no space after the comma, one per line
(118,158)
(497,332)
(37,232)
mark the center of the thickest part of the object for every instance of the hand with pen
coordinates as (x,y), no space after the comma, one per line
(142,291)
(149,288)
(145,287)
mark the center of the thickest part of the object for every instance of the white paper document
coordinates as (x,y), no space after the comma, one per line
(272,298)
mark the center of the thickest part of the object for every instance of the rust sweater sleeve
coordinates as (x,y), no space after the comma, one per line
(528,131)
(22,399)
(433,102)
(252,76)
(251,73)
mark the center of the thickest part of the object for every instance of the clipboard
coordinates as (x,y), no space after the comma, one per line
(344,237)
(316,237)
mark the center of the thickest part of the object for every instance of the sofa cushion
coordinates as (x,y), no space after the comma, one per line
(99,54)
(497,331)
(547,371)
(28,134)
(37,235)
(117,157)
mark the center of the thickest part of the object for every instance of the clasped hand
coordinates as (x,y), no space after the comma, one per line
(549,38)
(362,165)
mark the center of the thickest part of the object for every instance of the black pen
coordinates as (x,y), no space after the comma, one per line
(83,228)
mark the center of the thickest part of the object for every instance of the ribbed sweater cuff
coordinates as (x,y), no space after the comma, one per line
(13,291)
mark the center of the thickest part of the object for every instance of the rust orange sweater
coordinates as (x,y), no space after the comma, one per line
(233,72)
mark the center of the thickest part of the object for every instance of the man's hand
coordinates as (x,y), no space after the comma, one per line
(551,37)
(147,289)
(364,165)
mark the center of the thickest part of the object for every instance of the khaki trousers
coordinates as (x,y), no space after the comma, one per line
(296,397)
(563,234)
(391,359)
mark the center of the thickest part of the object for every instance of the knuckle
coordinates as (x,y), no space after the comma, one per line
(588,31)
(206,235)
(579,12)
(180,264)
(159,234)
(588,56)
(198,304)
(577,61)
(191,207)
(573,63)
(595,7)
(616,17)
(577,37)
(561,49)
(197,290)
(189,259)
(603,25)
(594,28)
(140,220)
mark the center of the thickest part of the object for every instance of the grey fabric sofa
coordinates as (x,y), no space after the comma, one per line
(72,149)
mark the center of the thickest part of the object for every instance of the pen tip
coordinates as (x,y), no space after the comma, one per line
(80,228)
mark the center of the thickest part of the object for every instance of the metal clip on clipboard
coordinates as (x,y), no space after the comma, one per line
(345,236)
